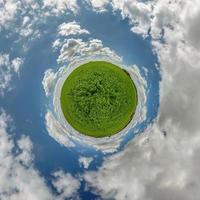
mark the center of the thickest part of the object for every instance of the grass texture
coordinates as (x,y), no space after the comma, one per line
(98,99)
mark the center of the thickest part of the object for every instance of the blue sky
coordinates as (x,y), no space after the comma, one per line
(143,34)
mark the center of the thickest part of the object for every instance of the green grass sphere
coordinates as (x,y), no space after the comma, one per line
(98,99)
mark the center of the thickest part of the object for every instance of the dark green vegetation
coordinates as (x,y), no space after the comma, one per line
(98,99)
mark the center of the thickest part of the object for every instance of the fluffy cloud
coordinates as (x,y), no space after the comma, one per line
(71,49)
(56,130)
(163,162)
(98,5)
(24,18)
(12,11)
(68,50)
(19,178)
(8,10)
(85,161)
(8,69)
(61,6)
(66,185)
(138,12)
(74,48)
(71,28)
(151,167)
(48,81)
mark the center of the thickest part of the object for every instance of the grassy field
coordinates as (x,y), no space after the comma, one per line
(98,99)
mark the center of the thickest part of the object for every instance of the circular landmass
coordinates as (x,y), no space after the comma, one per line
(98,99)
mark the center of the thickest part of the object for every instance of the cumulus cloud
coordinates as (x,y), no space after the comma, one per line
(56,130)
(7,12)
(85,161)
(98,5)
(162,163)
(19,178)
(8,69)
(61,6)
(151,167)
(71,28)
(75,48)
(12,8)
(48,81)
(138,12)
(24,18)
(66,185)
(12,11)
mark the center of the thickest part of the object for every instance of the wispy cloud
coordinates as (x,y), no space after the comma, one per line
(9,68)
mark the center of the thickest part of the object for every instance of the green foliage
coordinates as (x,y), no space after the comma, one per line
(98,99)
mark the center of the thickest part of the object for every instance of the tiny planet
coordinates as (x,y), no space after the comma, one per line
(98,99)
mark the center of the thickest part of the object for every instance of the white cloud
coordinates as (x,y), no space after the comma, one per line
(8,69)
(74,48)
(61,6)
(66,185)
(25,147)
(56,130)
(48,81)
(152,167)
(16,64)
(69,49)
(21,19)
(71,28)
(85,161)
(12,11)
(191,18)
(98,5)
(8,10)
(19,178)
(155,166)
(138,12)
(24,18)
